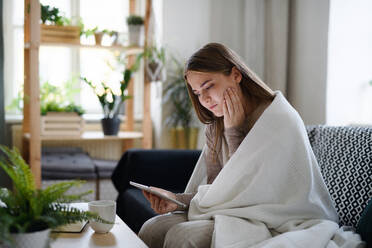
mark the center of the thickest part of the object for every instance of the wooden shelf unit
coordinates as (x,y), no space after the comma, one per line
(31,112)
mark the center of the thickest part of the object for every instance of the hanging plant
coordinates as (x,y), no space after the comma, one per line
(155,66)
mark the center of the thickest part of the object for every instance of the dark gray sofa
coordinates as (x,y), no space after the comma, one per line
(344,155)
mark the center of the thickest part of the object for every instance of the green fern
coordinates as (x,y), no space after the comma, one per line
(30,209)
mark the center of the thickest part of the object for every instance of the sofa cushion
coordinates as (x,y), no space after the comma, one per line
(344,155)
(105,167)
(66,163)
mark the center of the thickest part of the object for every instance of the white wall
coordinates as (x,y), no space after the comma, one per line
(349,97)
(186,28)
(186,25)
(308,59)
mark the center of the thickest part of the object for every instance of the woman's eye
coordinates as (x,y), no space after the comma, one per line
(210,86)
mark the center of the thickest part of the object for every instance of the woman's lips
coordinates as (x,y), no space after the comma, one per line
(213,106)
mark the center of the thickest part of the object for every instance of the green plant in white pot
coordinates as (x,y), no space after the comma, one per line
(113,35)
(135,26)
(27,214)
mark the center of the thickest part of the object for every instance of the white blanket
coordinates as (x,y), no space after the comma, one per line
(270,193)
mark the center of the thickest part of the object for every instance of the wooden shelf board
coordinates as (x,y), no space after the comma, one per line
(129,49)
(92,135)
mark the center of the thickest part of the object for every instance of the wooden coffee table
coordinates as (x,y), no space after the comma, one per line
(119,236)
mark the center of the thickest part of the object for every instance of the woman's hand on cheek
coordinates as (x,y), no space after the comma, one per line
(233,111)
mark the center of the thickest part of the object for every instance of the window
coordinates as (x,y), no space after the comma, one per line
(69,63)
(349,92)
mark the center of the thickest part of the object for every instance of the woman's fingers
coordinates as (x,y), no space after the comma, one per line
(160,205)
(225,110)
(232,108)
(229,103)
(237,102)
(156,202)
(146,194)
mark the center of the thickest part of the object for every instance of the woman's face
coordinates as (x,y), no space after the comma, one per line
(210,86)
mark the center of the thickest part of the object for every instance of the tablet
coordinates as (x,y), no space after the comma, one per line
(148,189)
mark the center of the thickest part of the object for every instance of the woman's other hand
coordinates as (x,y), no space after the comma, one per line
(159,205)
(233,111)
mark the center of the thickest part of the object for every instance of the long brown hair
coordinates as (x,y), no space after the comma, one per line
(215,57)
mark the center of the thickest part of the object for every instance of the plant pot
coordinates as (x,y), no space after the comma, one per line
(154,71)
(135,35)
(110,126)
(193,137)
(114,38)
(181,138)
(32,239)
(98,37)
(173,137)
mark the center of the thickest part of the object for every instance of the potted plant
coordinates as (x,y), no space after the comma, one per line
(183,135)
(111,102)
(98,35)
(135,24)
(50,15)
(27,214)
(57,108)
(155,63)
(57,28)
(114,35)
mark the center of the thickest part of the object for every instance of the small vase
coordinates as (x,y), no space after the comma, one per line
(110,126)
(32,239)
(135,35)
(98,37)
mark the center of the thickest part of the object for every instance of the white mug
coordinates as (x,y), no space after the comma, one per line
(105,209)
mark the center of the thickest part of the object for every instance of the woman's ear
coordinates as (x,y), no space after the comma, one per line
(236,75)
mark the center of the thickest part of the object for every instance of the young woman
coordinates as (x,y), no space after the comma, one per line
(257,176)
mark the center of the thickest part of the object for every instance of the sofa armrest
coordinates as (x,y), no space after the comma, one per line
(167,169)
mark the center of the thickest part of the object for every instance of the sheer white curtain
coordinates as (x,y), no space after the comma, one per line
(258,31)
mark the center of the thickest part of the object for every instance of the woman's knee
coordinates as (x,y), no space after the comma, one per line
(189,235)
(146,227)
(154,230)
(146,231)
(150,231)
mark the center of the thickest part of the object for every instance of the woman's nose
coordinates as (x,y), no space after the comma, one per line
(205,98)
